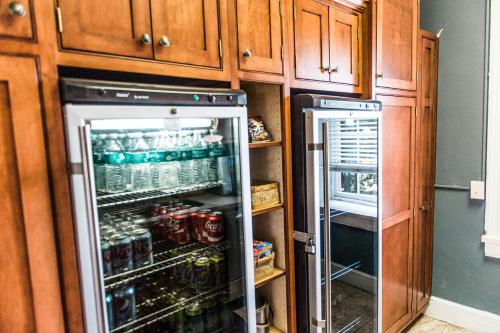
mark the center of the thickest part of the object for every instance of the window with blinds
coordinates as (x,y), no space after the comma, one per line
(353,159)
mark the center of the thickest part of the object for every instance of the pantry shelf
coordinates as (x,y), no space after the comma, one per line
(257,212)
(273,329)
(264,144)
(277,273)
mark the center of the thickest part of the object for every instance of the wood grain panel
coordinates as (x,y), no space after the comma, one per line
(16,26)
(111,26)
(192,28)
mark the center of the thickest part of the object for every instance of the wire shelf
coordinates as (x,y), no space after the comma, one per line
(105,200)
(165,256)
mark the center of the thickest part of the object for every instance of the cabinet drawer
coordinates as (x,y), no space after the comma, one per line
(16,19)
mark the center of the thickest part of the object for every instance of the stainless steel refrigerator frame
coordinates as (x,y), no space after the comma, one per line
(85,204)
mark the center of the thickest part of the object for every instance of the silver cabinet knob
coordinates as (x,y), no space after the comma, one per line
(423,209)
(146,39)
(380,75)
(16,9)
(247,53)
(327,69)
(335,69)
(164,41)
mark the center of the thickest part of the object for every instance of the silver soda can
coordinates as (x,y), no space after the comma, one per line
(107,268)
(109,310)
(124,305)
(121,253)
(142,247)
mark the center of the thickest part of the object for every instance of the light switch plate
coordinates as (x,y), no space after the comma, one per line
(477,190)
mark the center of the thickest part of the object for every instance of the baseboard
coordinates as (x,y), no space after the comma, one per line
(463,316)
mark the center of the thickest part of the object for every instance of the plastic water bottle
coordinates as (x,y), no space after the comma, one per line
(167,171)
(99,166)
(139,168)
(184,148)
(155,155)
(199,153)
(114,159)
(215,150)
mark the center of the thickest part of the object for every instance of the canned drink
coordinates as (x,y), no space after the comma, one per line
(180,318)
(197,222)
(124,305)
(170,221)
(194,318)
(213,229)
(121,253)
(107,268)
(202,274)
(141,221)
(211,315)
(142,247)
(219,269)
(109,310)
(225,313)
(180,228)
(187,273)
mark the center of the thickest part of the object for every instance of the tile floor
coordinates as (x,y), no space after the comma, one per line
(429,325)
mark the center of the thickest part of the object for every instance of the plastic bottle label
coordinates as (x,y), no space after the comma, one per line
(140,157)
(216,151)
(156,156)
(199,153)
(171,156)
(114,158)
(186,155)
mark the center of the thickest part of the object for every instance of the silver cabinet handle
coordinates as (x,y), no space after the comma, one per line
(326,229)
(380,75)
(423,209)
(164,41)
(327,69)
(146,39)
(247,53)
(335,69)
(16,9)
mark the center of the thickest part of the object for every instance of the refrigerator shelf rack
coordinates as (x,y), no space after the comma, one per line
(146,196)
(163,259)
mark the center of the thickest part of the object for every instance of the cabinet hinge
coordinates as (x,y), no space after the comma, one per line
(59,19)
(220,48)
(294,12)
(282,53)
(281,8)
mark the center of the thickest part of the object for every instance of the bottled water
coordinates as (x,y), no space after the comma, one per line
(99,166)
(184,148)
(215,150)
(155,155)
(139,168)
(114,159)
(199,154)
(167,171)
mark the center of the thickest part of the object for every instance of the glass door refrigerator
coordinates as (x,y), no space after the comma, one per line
(161,196)
(337,213)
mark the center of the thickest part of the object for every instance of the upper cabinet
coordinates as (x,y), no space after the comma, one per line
(397,36)
(116,27)
(16,19)
(328,44)
(259,31)
(186,32)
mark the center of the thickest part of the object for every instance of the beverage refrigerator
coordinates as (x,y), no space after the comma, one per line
(161,199)
(337,213)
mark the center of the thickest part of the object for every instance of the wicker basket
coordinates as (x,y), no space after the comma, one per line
(264,194)
(264,266)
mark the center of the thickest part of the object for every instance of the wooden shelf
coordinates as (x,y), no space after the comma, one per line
(277,273)
(264,144)
(257,212)
(273,329)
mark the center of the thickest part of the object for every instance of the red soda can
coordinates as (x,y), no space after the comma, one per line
(180,230)
(193,213)
(213,229)
(169,222)
(155,210)
(198,222)
(158,227)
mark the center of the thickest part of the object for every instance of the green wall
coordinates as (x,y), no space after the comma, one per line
(461,272)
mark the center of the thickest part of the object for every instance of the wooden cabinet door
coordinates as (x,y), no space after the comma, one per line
(30,300)
(397,36)
(345,46)
(311,40)
(398,150)
(16,19)
(259,35)
(186,32)
(425,168)
(112,26)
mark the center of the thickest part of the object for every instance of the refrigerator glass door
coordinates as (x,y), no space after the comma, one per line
(163,218)
(344,216)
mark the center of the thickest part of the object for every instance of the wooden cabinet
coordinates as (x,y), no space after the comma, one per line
(186,32)
(116,27)
(398,161)
(425,169)
(328,44)
(259,31)
(16,19)
(30,298)
(396,43)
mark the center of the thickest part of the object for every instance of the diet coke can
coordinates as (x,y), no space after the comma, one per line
(142,247)
(121,253)
(180,228)
(213,229)
(124,305)
(107,269)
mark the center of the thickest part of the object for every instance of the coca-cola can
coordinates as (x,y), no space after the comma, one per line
(121,253)
(159,225)
(213,229)
(142,247)
(169,223)
(180,228)
(107,269)
(197,222)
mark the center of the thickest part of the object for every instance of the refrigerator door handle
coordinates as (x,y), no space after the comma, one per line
(326,229)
